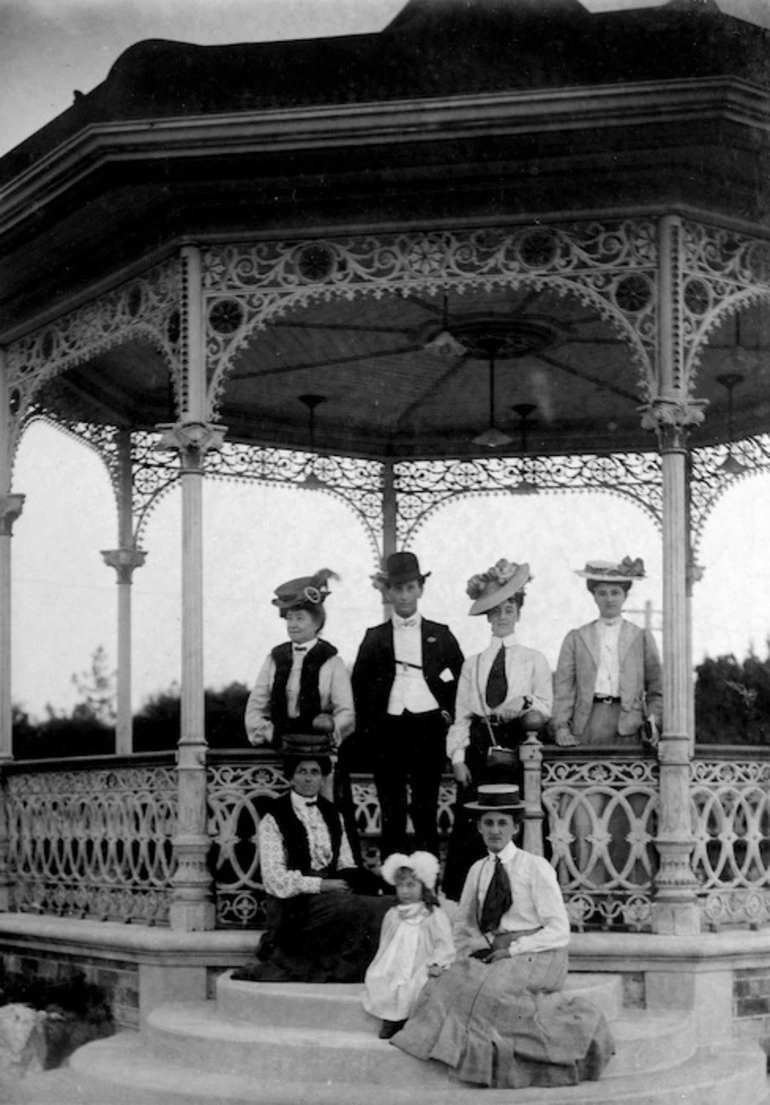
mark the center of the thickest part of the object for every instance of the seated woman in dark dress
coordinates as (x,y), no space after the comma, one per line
(323,912)
(496,1016)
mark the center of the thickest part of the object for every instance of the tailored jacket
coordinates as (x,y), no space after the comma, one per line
(375,670)
(575,679)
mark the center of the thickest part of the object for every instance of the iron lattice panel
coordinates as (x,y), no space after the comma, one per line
(93,843)
(602,818)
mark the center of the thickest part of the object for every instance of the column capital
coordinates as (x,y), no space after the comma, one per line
(11,506)
(191,439)
(671,419)
(124,561)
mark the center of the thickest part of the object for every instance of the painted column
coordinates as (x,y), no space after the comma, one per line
(389,521)
(10,509)
(671,414)
(693,575)
(531,755)
(125,559)
(192,905)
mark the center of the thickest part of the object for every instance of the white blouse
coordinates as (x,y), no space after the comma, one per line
(284,882)
(528,675)
(336,700)
(537,904)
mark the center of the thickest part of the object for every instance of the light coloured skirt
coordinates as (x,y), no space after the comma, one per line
(508,1024)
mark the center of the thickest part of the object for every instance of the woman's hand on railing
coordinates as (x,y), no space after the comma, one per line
(323,723)
(260,732)
(462,773)
(564,738)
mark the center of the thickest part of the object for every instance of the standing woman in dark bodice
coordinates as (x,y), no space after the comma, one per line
(303,685)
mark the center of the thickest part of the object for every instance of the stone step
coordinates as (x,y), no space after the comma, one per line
(121,1071)
(195,1034)
(307,1005)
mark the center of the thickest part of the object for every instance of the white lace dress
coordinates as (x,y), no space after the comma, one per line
(413,938)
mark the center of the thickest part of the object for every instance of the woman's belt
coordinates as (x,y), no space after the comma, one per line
(606,699)
(505,939)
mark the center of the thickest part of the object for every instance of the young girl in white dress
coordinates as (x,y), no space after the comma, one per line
(415,941)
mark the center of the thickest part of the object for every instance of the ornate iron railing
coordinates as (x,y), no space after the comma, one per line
(730,798)
(600,823)
(601,812)
(93,837)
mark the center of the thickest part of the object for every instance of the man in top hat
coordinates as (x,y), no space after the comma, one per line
(404,686)
(608,676)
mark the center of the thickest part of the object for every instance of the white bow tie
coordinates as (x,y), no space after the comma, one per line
(409,623)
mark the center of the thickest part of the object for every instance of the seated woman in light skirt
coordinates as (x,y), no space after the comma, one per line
(496,1016)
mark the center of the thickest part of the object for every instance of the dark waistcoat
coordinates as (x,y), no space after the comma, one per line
(309,698)
(295,837)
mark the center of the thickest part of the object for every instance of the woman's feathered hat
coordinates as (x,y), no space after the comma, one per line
(498,583)
(605,571)
(424,865)
(304,591)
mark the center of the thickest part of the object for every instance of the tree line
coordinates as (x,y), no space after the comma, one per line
(732,707)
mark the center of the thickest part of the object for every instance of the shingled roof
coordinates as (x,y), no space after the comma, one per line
(433,48)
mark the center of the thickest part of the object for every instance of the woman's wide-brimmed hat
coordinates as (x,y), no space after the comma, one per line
(626,571)
(400,567)
(497,798)
(304,591)
(424,865)
(498,583)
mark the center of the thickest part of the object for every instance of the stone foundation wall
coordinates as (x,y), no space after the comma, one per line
(60,978)
(751,1004)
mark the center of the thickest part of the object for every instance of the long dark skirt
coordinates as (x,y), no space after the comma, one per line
(318,938)
(507,1024)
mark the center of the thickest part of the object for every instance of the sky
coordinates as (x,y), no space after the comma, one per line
(65,598)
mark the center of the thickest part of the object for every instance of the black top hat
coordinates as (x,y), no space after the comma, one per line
(403,567)
(497,798)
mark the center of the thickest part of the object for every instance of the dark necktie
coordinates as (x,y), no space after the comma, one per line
(498,899)
(497,683)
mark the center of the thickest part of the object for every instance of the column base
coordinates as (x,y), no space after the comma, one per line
(192,916)
(676,919)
